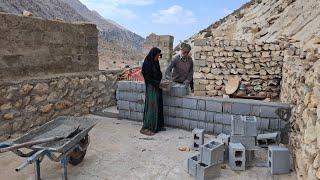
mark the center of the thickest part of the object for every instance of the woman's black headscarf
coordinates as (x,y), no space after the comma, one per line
(151,68)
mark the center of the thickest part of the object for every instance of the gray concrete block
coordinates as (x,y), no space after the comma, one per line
(123,105)
(209,117)
(269,111)
(172,111)
(197,138)
(222,118)
(209,127)
(122,114)
(255,110)
(140,107)
(186,113)
(205,172)
(166,100)
(166,120)
(123,85)
(278,160)
(274,124)
(201,105)
(139,116)
(176,102)
(193,124)
(201,115)
(217,129)
(179,112)
(263,123)
(227,107)
(241,108)
(212,153)
(141,88)
(213,106)
(185,124)
(265,140)
(237,156)
(178,122)
(192,164)
(166,110)
(247,141)
(194,114)
(172,121)
(178,90)
(250,125)
(224,138)
(226,129)
(201,125)
(133,86)
(189,103)
(237,125)
(120,95)
(132,106)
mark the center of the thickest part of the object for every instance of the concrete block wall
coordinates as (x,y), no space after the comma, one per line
(209,113)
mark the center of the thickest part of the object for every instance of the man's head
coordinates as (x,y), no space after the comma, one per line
(185,49)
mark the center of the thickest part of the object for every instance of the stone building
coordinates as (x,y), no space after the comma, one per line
(165,43)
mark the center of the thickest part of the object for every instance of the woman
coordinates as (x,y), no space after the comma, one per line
(153,110)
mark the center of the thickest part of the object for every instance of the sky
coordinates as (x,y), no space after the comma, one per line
(179,18)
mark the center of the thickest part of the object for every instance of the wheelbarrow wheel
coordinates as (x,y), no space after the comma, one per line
(77,155)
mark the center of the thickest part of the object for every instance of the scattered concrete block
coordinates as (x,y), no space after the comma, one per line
(192,164)
(278,160)
(209,117)
(237,156)
(250,125)
(237,125)
(247,141)
(212,153)
(189,103)
(205,172)
(198,138)
(264,140)
(241,108)
(123,105)
(213,106)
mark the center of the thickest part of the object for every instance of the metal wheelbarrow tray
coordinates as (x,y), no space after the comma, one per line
(72,148)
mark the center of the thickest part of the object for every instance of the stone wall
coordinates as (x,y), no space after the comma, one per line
(258,65)
(301,89)
(31,102)
(165,43)
(211,114)
(33,46)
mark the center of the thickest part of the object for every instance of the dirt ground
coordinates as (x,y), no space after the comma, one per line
(118,151)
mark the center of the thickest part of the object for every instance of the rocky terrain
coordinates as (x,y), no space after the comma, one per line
(119,42)
(269,20)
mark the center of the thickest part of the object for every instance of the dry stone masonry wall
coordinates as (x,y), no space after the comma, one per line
(301,89)
(211,114)
(34,46)
(258,65)
(28,103)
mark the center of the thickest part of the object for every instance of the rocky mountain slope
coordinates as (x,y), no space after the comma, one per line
(269,20)
(116,44)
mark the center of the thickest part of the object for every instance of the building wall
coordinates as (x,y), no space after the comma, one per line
(165,43)
(35,47)
(259,66)
(28,103)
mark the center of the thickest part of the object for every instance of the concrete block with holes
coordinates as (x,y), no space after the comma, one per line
(198,138)
(237,156)
(192,164)
(250,123)
(212,153)
(205,172)
(225,139)
(247,141)
(278,160)
(264,140)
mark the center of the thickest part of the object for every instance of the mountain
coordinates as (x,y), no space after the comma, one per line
(115,42)
(269,20)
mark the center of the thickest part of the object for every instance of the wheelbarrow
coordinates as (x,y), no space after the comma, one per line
(64,140)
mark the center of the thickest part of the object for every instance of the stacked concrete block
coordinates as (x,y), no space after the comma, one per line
(177,90)
(237,125)
(278,160)
(198,138)
(250,123)
(193,161)
(212,153)
(237,156)
(265,140)
(247,141)
(206,172)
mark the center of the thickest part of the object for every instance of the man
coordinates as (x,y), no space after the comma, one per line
(180,69)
